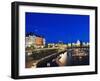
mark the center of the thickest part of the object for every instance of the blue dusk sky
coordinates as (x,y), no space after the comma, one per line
(58,27)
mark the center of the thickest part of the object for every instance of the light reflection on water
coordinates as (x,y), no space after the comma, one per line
(67,59)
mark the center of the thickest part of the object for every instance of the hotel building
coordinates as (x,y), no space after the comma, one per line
(34,40)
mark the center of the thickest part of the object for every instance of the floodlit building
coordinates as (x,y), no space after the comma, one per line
(34,40)
(39,42)
(69,45)
(73,44)
(85,44)
(44,41)
(78,43)
(29,40)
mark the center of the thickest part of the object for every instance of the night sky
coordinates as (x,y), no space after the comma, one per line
(67,28)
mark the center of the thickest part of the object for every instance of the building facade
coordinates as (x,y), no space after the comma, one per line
(34,40)
(30,40)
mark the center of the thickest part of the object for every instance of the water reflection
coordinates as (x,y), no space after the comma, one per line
(69,58)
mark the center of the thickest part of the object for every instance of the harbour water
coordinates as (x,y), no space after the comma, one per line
(68,59)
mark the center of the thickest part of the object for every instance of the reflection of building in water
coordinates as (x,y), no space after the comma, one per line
(34,40)
(63,58)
